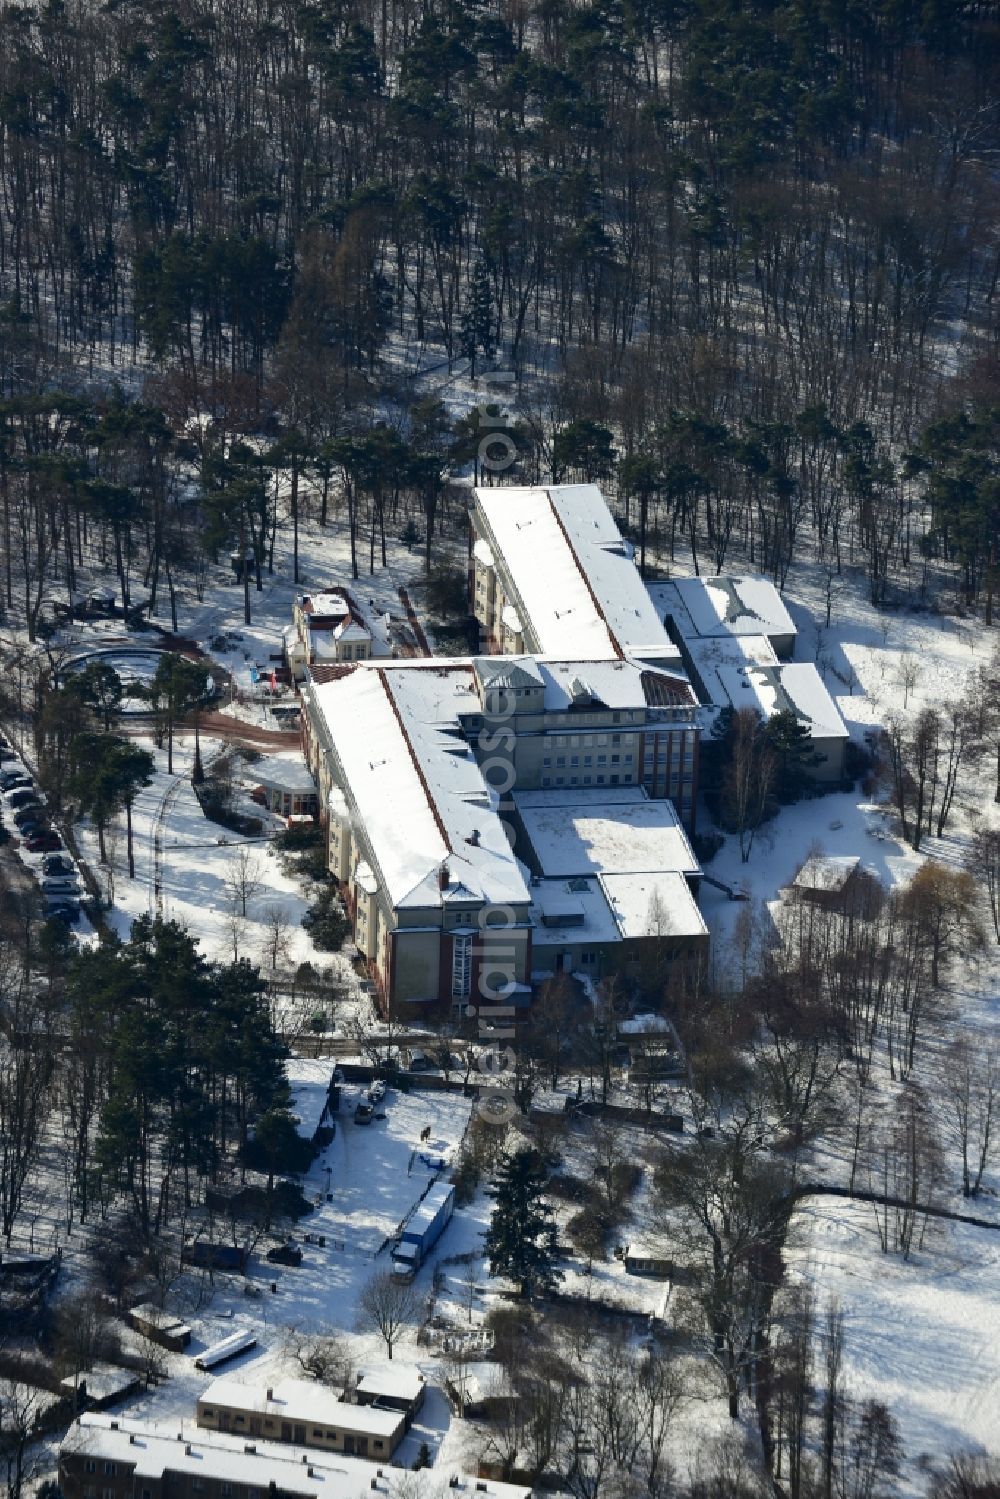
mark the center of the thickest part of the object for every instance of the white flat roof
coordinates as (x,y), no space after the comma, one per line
(157,1448)
(415,784)
(593,837)
(286,774)
(724,606)
(653,905)
(573,572)
(552,900)
(300,1400)
(328,603)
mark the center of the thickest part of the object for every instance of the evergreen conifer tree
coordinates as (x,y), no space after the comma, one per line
(521,1239)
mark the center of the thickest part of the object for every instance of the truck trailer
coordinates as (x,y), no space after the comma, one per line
(423,1230)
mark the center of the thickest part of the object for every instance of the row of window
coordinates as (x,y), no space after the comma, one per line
(588,741)
(663,755)
(587,760)
(615,779)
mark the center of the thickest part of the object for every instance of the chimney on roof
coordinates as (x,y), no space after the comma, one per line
(443,876)
(473,838)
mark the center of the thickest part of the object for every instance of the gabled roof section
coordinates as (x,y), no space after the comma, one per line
(414,785)
(576,588)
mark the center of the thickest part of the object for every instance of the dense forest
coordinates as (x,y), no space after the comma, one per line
(739,262)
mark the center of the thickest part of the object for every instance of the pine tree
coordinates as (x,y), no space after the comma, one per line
(521,1239)
(789,738)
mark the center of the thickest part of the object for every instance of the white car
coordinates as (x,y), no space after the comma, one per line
(60,884)
(376,1092)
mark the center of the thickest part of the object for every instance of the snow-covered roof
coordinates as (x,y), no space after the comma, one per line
(746,673)
(577,911)
(576,585)
(351,631)
(329,604)
(309,1080)
(594,836)
(103,1381)
(355,619)
(393,1381)
(653,905)
(482,553)
(826,872)
(644,1025)
(588,685)
(283,774)
(184,1448)
(508,671)
(299,1400)
(724,606)
(155,1316)
(415,785)
(511,619)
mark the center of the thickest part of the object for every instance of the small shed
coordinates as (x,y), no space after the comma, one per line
(161,1327)
(315,1098)
(648,1259)
(826,879)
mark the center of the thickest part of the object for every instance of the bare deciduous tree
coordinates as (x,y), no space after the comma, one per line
(388,1306)
(971,1085)
(244,880)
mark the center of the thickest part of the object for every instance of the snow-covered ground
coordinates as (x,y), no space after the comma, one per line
(922,1335)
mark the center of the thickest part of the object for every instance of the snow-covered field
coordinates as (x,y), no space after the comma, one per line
(921,1335)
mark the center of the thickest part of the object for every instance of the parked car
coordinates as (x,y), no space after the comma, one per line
(58,864)
(13,773)
(376,1092)
(23,796)
(64,910)
(64,884)
(45,841)
(364,1113)
(32,829)
(285,1254)
(28,811)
